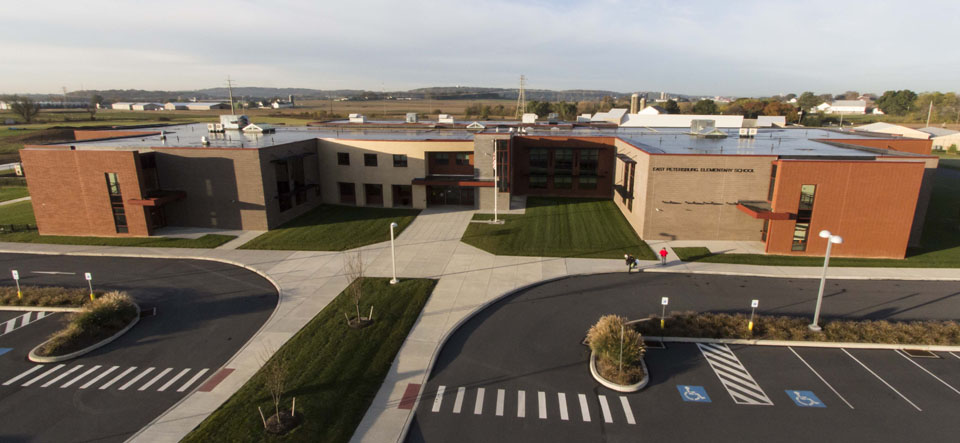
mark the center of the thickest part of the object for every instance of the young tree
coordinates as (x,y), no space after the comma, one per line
(276,378)
(92,107)
(25,108)
(353,270)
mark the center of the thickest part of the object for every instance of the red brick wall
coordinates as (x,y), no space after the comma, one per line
(83,134)
(858,200)
(69,191)
(913,146)
(520,164)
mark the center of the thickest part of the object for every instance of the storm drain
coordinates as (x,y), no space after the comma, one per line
(920,353)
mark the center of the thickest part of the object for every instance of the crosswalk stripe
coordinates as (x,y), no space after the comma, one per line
(9,326)
(500,393)
(197,377)
(584,408)
(155,379)
(478,407)
(77,378)
(458,403)
(562,399)
(738,382)
(22,375)
(48,372)
(97,378)
(25,319)
(438,400)
(542,401)
(173,380)
(61,376)
(136,379)
(605,408)
(627,410)
(117,378)
(521,404)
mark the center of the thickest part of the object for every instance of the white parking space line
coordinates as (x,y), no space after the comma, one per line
(8,328)
(605,408)
(627,410)
(954,355)
(173,380)
(542,400)
(61,376)
(24,320)
(204,371)
(820,377)
(438,400)
(48,372)
(478,407)
(155,379)
(24,374)
(500,393)
(97,378)
(136,379)
(117,378)
(882,380)
(521,404)
(77,378)
(562,399)
(928,372)
(584,408)
(458,403)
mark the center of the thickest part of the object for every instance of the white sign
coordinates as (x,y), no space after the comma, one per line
(87,276)
(16,275)
(755,303)
(664,301)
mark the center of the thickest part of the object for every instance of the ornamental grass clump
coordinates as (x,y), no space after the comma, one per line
(46,296)
(618,348)
(99,319)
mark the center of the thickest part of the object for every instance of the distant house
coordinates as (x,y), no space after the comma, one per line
(279,104)
(195,106)
(146,106)
(766,121)
(123,106)
(614,116)
(846,107)
(942,138)
(891,129)
(357,118)
(652,110)
(529,118)
(445,118)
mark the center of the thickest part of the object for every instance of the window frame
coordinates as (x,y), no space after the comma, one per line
(400,160)
(343,158)
(370,160)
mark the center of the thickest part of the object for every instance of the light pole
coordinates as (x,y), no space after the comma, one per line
(823,279)
(393,254)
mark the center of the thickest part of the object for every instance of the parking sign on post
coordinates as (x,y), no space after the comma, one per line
(753,308)
(89,278)
(16,278)
(663,309)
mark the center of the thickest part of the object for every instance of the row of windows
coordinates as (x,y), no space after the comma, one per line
(399,160)
(563,182)
(373,194)
(116,203)
(563,160)
(443,158)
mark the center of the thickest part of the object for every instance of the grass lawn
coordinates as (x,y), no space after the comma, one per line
(947,160)
(560,227)
(13,192)
(335,371)
(335,228)
(940,242)
(22,213)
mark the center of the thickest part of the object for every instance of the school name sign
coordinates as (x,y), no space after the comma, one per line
(731,170)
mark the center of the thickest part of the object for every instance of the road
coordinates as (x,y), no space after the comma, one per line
(205,311)
(518,371)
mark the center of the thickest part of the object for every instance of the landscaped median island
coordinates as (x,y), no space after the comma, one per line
(560,227)
(333,370)
(616,358)
(770,327)
(100,319)
(45,296)
(335,228)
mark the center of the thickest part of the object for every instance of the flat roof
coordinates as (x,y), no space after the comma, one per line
(783,142)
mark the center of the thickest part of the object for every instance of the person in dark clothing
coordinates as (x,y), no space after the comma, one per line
(631,262)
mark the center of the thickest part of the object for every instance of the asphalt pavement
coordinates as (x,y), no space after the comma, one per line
(518,371)
(205,311)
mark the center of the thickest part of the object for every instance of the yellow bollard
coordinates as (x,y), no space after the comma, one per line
(661,323)
(19,295)
(91,296)
(750,326)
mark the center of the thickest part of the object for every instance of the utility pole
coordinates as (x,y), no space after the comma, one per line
(230,91)
(64,89)
(929,112)
(521,99)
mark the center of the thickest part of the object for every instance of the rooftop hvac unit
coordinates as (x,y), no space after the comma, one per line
(357,118)
(412,117)
(745,133)
(702,126)
(445,118)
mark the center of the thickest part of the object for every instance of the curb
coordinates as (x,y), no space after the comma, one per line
(58,358)
(678,270)
(617,387)
(806,344)
(40,308)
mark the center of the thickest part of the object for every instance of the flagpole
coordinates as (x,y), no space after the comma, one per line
(496,189)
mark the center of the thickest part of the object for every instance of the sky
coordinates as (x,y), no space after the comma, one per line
(730,48)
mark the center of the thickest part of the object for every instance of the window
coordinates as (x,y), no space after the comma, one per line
(116,203)
(402,195)
(804,214)
(463,159)
(587,182)
(343,158)
(441,158)
(399,161)
(538,181)
(562,181)
(373,194)
(347,193)
(588,161)
(539,159)
(563,159)
(773,182)
(283,185)
(370,159)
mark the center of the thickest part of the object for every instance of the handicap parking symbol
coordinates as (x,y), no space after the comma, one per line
(693,393)
(805,399)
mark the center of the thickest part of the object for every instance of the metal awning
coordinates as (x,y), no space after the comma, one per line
(762,209)
(158,198)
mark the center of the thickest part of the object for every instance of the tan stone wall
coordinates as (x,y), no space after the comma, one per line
(384,173)
(224,187)
(634,211)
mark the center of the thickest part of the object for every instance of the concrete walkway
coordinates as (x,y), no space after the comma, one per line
(16,200)
(469,279)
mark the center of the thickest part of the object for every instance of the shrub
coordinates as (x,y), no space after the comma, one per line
(605,341)
(952,149)
(51,296)
(98,320)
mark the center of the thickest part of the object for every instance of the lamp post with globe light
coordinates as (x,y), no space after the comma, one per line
(393,255)
(831,240)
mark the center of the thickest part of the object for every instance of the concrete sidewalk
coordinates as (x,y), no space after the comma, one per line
(469,279)
(16,200)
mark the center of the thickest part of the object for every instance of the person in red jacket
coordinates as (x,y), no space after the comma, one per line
(663,256)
